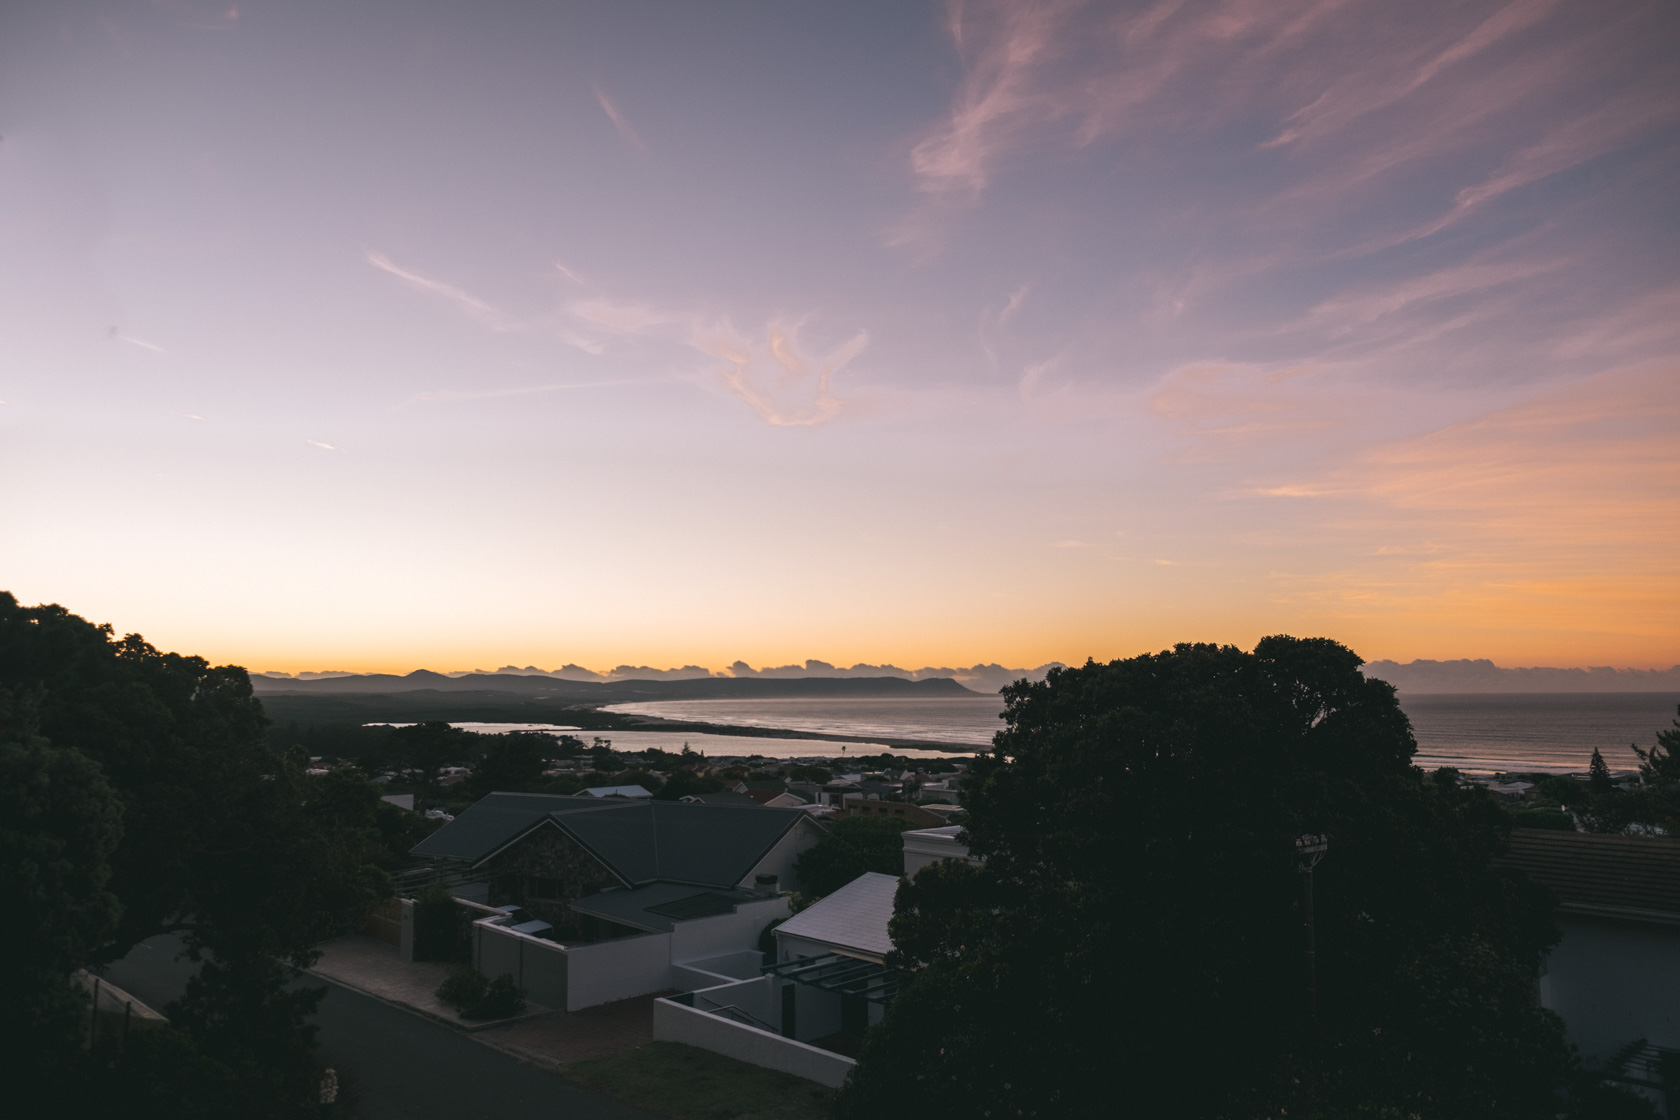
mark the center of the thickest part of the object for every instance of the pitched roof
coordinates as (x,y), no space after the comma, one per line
(853,918)
(724,798)
(1632,876)
(639,841)
(617,791)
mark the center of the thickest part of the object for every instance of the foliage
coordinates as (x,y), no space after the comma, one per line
(681,783)
(143,800)
(60,824)
(685,1083)
(1660,766)
(1599,781)
(512,763)
(638,777)
(819,774)
(1555,819)
(1139,896)
(853,846)
(474,996)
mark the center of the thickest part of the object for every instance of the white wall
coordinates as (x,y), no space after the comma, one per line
(920,850)
(538,966)
(673,1022)
(613,970)
(726,933)
(779,860)
(1614,981)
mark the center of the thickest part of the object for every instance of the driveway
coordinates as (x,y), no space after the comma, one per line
(399,1064)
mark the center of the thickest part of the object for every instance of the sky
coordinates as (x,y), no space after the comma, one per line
(383,335)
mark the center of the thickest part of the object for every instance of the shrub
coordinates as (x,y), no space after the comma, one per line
(473,996)
(1543,818)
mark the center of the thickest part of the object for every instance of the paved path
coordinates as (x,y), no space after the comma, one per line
(399,1064)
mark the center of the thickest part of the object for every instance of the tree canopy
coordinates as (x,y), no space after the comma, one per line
(852,846)
(1133,942)
(140,799)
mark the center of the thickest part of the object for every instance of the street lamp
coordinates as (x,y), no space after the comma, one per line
(1309,849)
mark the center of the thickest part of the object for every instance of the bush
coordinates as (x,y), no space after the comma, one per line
(1543,818)
(473,996)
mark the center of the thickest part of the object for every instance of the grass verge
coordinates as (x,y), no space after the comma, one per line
(686,1083)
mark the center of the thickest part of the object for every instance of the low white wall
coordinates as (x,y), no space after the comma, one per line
(726,933)
(612,970)
(672,1022)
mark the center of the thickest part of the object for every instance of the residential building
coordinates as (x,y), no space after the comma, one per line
(545,852)
(1615,976)
(859,805)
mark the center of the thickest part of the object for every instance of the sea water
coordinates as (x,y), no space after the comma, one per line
(1479,732)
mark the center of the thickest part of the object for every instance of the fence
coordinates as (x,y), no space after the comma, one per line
(728,1029)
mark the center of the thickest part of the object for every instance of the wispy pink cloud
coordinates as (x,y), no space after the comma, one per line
(618,120)
(477,309)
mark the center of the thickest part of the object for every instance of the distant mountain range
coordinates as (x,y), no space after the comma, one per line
(978,678)
(616,692)
(1482,675)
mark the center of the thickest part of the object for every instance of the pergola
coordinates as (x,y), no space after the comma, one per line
(847,976)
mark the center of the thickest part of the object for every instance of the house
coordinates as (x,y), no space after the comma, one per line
(726,797)
(923,846)
(806,1014)
(859,805)
(545,851)
(775,798)
(616,791)
(1615,976)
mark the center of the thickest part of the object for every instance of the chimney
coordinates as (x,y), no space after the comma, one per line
(767,885)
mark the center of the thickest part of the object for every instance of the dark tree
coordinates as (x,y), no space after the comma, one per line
(1133,943)
(853,846)
(512,763)
(1599,781)
(218,840)
(60,824)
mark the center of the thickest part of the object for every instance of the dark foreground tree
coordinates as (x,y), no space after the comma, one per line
(853,846)
(1133,944)
(140,799)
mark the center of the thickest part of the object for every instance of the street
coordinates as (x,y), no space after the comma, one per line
(397,1064)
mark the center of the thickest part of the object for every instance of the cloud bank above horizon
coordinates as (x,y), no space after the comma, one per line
(1033,331)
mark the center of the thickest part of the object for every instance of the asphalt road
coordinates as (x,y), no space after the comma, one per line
(399,1065)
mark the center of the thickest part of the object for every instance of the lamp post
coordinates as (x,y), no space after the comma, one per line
(1309,849)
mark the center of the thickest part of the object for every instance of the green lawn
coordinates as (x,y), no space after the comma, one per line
(689,1084)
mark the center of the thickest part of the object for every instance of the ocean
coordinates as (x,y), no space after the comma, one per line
(1475,732)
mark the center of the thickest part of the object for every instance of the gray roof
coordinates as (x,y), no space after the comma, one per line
(639,841)
(659,906)
(725,798)
(1632,876)
(853,919)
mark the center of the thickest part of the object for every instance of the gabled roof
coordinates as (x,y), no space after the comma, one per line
(724,798)
(1627,876)
(639,841)
(853,919)
(617,791)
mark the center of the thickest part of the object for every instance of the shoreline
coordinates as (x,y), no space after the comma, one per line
(738,731)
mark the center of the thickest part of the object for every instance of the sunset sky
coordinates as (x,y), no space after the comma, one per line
(386,335)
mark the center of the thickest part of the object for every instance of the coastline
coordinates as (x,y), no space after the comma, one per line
(657,723)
